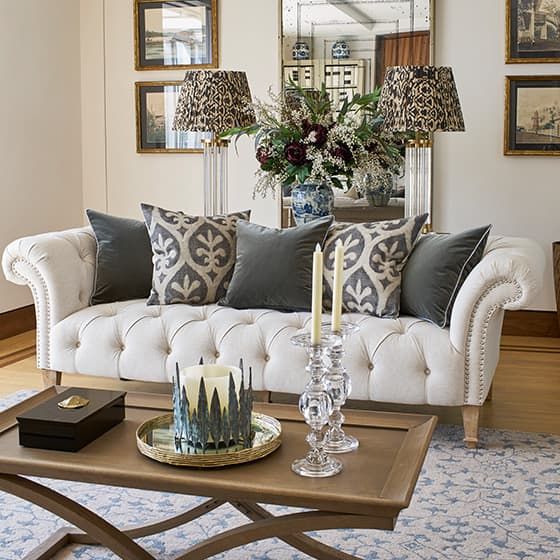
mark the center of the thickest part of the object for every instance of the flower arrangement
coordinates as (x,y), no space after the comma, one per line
(302,137)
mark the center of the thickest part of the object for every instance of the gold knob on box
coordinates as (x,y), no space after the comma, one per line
(74,401)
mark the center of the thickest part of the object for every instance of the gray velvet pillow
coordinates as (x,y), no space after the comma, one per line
(124,258)
(436,270)
(274,267)
(193,255)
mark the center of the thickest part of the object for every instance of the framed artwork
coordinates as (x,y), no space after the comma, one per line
(532,31)
(175,34)
(155,109)
(532,116)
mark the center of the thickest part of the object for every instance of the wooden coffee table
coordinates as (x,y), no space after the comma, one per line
(377,482)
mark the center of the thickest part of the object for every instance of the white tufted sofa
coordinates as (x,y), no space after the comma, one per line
(407,360)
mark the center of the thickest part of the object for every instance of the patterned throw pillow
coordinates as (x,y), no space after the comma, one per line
(375,254)
(193,256)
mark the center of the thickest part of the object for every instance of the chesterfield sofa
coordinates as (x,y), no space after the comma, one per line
(406,361)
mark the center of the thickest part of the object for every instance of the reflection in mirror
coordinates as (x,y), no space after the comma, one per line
(347,45)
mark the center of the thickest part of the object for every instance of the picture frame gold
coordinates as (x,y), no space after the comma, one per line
(140,61)
(520,140)
(513,54)
(143,143)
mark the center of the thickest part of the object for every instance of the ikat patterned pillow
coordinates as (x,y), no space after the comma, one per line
(193,256)
(374,255)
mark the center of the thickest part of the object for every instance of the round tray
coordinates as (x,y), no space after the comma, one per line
(155,438)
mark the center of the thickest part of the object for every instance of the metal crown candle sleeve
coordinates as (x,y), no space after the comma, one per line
(212,423)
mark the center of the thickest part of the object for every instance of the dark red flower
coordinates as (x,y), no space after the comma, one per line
(343,152)
(317,134)
(263,155)
(295,153)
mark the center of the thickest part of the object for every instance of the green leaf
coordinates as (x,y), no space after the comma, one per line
(337,182)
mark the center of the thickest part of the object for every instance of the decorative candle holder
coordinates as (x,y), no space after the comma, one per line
(340,387)
(316,405)
(211,424)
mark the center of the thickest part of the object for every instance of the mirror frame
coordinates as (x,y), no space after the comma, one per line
(281,45)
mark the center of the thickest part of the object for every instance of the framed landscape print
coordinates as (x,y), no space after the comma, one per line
(532,31)
(176,34)
(532,116)
(155,109)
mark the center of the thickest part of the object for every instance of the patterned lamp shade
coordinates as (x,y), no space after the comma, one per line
(420,99)
(213,101)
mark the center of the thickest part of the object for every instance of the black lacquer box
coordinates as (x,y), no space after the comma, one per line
(49,427)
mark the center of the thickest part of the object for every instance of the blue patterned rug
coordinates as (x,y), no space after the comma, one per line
(501,501)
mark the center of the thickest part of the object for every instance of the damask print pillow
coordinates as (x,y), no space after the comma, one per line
(374,255)
(193,256)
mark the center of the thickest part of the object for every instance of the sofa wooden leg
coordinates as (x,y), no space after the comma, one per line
(51,377)
(490,392)
(471,415)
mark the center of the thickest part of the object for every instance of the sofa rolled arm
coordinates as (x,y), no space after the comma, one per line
(59,269)
(507,278)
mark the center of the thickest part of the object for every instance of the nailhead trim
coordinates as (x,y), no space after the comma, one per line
(518,293)
(37,300)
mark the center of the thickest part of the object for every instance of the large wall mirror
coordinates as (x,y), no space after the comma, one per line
(347,45)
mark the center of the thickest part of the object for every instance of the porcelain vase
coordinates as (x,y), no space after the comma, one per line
(311,201)
(301,51)
(378,198)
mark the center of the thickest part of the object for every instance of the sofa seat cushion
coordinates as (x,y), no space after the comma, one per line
(133,341)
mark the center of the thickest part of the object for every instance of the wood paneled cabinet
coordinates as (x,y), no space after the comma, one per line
(351,214)
(342,78)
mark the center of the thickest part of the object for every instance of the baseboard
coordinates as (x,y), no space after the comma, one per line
(531,323)
(17,321)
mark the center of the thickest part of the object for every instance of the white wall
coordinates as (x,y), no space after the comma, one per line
(40,152)
(474,183)
(248,40)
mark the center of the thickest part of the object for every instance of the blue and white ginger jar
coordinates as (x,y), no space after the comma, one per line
(311,201)
(340,50)
(301,51)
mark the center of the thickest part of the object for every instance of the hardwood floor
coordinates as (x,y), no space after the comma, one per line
(526,392)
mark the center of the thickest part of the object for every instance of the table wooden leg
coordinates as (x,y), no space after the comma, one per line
(99,529)
(282,526)
(302,542)
(264,525)
(69,535)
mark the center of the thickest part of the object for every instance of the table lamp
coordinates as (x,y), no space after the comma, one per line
(420,99)
(214,101)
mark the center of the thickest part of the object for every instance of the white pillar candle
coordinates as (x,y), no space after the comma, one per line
(317,296)
(215,377)
(338,282)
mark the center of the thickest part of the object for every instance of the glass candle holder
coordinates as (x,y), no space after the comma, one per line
(339,387)
(316,405)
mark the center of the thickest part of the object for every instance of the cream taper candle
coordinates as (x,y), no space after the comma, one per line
(338,282)
(317,297)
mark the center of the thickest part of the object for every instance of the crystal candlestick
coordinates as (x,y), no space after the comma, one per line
(316,406)
(339,387)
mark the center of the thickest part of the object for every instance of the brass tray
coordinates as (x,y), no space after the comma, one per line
(155,438)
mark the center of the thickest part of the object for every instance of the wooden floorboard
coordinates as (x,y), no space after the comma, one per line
(17,348)
(526,385)
(530,343)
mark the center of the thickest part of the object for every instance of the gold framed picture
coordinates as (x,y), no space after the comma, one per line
(532,116)
(177,34)
(155,110)
(532,31)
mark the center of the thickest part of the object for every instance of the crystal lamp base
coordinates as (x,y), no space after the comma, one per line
(329,467)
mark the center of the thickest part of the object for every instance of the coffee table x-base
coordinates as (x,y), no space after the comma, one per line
(377,482)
